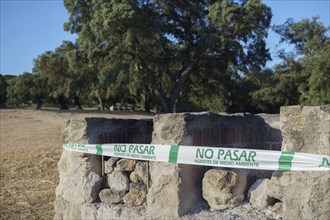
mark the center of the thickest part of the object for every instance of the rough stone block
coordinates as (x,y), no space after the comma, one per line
(134,198)
(306,129)
(125,165)
(108,169)
(138,187)
(96,211)
(175,189)
(163,195)
(305,195)
(92,184)
(112,196)
(224,189)
(109,165)
(118,180)
(258,194)
(79,173)
(140,173)
(277,209)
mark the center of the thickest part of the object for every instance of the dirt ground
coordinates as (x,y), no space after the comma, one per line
(30,144)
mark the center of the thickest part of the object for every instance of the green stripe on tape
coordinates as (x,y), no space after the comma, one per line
(99,149)
(173,153)
(285,161)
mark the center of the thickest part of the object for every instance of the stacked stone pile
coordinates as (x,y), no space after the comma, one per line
(126,182)
(228,188)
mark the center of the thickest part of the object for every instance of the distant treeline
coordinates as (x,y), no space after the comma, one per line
(177,56)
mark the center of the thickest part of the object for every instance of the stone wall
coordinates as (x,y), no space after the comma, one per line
(306,129)
(176,189)
(137,189)
(299,195)
(304,195)
(81,177)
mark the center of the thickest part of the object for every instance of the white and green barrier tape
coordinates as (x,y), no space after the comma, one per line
(210,156)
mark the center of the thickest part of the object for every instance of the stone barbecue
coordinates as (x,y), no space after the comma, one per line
(96,187)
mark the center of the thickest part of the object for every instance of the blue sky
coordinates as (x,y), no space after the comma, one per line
(28,29)
(298,10)
(31,27)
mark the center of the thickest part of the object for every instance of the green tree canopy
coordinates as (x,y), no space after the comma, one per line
(18,91)
(167,42)
(311,40)
(309,36)
(59,68)
(315,90)
(4,83)
(303,75)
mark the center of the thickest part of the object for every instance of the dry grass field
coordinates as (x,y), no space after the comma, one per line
(30,142)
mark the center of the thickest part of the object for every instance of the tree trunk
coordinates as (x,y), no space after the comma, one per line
(169,104)
(169,107)
(77,103)
(147,102)
(39,103)
(179,86)
(62,101)
(101,103)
